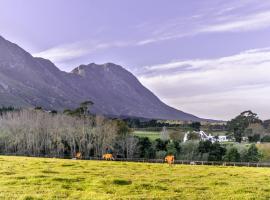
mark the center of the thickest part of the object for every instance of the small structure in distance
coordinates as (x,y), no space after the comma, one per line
(203,136)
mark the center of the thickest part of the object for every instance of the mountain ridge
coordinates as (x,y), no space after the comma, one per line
(32,81)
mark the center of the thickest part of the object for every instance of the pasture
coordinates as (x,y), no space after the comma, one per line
(152,135)
(42,178)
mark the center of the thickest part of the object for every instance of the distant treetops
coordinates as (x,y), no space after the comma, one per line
(82,110)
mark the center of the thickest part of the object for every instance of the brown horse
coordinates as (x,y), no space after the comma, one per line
(108,156)
(169,159)
(78,155)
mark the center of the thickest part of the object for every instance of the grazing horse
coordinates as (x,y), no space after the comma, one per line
(78,155)
(108,156)
(169,159)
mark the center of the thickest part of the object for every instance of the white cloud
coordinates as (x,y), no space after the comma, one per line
(219,20)
(214,88)
(250,22)
(225,18)
(70,51)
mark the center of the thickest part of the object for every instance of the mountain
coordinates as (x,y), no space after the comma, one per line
(26,81)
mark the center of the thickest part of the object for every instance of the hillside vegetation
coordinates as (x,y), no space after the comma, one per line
(41,178)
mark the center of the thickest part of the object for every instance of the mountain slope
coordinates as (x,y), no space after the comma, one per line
(28,81)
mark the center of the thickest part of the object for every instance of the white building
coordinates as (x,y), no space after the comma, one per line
(204,137)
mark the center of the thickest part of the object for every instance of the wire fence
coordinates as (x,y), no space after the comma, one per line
(141,160)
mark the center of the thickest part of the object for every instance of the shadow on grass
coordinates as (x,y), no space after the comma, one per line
(122,182)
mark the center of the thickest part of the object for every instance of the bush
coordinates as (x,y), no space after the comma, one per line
(252,154)
(145,148)
(189,151)
(232,155)
(161,154)
(161,145)
(217,152)
(171,148)
(266,138)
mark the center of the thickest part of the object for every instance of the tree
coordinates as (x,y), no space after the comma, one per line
(189,151)
(160,145)
(85,106)
(217,152)
(196,126)
(266,138)
(204,146)
(161,154)
(254,132)
(145,148)
(38,108)
(82,110)
(232,155)
(239,124)
(34,132)
(171,149)
(252,154)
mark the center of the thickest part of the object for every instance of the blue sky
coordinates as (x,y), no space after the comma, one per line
(210,58)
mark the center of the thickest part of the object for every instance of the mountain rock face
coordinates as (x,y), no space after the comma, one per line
(26,81)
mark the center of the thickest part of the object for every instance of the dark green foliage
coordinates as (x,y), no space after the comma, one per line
(123,128)
(160,145)
(7,109)
(145,148)
(85,106)
(38,108)
(239,124)
(154,125)
(266,138)
(177,146)
(171,150)
(232,155)
(214,150)
(81,111)
(53,112)
(217,152)
(205,146)
(254,138)
(196,126)
(252,154)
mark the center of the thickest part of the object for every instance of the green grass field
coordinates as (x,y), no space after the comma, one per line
(40,178)
(152,135)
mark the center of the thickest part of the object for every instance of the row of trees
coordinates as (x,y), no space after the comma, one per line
(4,110)
(40,133)
(195,150)
(36,132)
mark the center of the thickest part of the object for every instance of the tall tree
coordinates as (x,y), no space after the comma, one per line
(239,124)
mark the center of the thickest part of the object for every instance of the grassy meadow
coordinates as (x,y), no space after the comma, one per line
(41,178)
(152,135)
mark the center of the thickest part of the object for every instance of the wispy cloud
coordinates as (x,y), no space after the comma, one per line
(231,17)
(225,86)
(77,49)
(250,22)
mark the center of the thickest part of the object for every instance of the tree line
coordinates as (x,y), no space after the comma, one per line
(39,133)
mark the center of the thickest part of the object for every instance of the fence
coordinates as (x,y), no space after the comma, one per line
(141,160)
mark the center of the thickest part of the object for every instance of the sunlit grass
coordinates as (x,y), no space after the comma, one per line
(40,178)
(152,135)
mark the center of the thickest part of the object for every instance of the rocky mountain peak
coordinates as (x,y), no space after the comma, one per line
(27,81)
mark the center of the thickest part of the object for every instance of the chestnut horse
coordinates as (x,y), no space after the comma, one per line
(169,159)
(108,156)
(78,155)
